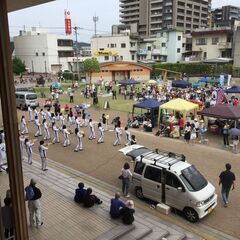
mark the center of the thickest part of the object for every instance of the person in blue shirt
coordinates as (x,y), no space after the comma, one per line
(116,205)
(80,193)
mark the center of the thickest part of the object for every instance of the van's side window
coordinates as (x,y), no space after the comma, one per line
(21,96)
(172,180)
(16,95)
(153,174)
(139,167)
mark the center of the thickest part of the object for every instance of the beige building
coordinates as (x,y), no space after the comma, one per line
(210,44)
(154,15)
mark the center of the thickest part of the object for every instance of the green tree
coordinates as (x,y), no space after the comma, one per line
(90,66)
(18,66)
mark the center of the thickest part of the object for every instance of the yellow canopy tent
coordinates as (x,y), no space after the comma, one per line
(179,105)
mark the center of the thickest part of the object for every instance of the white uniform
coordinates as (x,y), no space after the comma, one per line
(38,128)
(30,114)
(66,138)
(128,135)
(46,131)
(62,121)
(29,151)
(55,134)
(2,137)
(79,146)
(78,123)
(35,113)
(43,115)
(43,155)
(101,135)
(53,120)
(24,126)
(118,136)
(22,145)
(2,153)
(49,115)
(92,131)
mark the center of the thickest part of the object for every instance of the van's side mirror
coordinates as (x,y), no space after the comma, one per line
(181,189)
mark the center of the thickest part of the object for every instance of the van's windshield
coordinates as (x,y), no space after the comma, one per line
(31,96)
(193,179)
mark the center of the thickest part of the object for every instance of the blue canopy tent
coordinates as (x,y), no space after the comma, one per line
(233,89)
(129,82)
(204,79)
(151,105)
(180,84)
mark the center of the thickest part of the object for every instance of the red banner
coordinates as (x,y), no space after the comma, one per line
(68,23)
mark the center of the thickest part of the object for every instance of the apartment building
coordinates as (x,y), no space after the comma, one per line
(154,15)
(225,15)
(43,52)
(212,43)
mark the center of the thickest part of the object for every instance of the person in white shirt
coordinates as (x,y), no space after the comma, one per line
(24,125)
(79,136)
(29,151)
(46,131)
(91,130)
(43,155)
(2,153)
(65,135)
(62,120)
(42,114)
(101,133)
(30,117)
(77,122)
(69,123)
(55,134)
(49,115)
(128,135)
(53,119)
(2,136)
(22,144)
(36,113)
(38,127)
(118,133)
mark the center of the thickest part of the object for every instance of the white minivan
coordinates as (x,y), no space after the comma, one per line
(23,99)
(185,187)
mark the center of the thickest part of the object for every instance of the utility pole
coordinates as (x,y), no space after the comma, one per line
(95,20)
(76,42)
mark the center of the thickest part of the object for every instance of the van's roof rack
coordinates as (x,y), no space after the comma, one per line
(163,158)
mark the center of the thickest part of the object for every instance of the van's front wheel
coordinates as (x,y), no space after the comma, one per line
(139,193)
(191,215)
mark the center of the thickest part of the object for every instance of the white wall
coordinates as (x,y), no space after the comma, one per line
(173,45)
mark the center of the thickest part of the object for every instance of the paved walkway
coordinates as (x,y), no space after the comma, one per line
(64,219)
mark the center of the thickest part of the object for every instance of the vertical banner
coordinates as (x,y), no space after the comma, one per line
(221,81)
(68,23)
(229,80)
(169,85)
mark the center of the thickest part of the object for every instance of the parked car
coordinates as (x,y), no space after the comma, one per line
(23,99)
(186,189)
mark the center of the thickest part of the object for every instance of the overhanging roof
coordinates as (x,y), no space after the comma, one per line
(14,5)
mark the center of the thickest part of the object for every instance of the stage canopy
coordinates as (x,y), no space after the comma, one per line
(180,84)
(128,82)
(233,89)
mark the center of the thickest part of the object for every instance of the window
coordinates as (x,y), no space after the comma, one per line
(123,45)
(215,40)
(65,42)
(183,45)
(153,174)
(101,49)
(65,53)
(149,48)
(133,57)
(179,38)
(172,180)
(163,44)
(36,53)
(21,96)
(43,53)
(205,55)
(121,58)
(112,45)
(139,167)
(106,58)
(201,41)
(178,50)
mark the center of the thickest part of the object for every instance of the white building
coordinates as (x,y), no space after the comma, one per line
(43,52)
(114,47)
(168,46)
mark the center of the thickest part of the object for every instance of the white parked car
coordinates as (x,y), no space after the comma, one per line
(186,189)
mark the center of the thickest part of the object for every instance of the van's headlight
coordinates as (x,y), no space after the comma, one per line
(199,204)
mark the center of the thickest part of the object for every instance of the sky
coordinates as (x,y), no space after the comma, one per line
(51,16)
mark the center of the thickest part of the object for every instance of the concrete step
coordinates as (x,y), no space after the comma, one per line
(156,234)
(139,232)
(116,232)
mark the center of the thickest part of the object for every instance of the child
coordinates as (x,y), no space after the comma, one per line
(133,140)
(79,137)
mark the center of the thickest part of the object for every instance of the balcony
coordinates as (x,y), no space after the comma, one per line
(224,45)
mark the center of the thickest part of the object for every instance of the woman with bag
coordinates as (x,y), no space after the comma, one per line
(125,176)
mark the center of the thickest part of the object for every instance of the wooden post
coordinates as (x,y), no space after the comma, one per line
(10,123)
